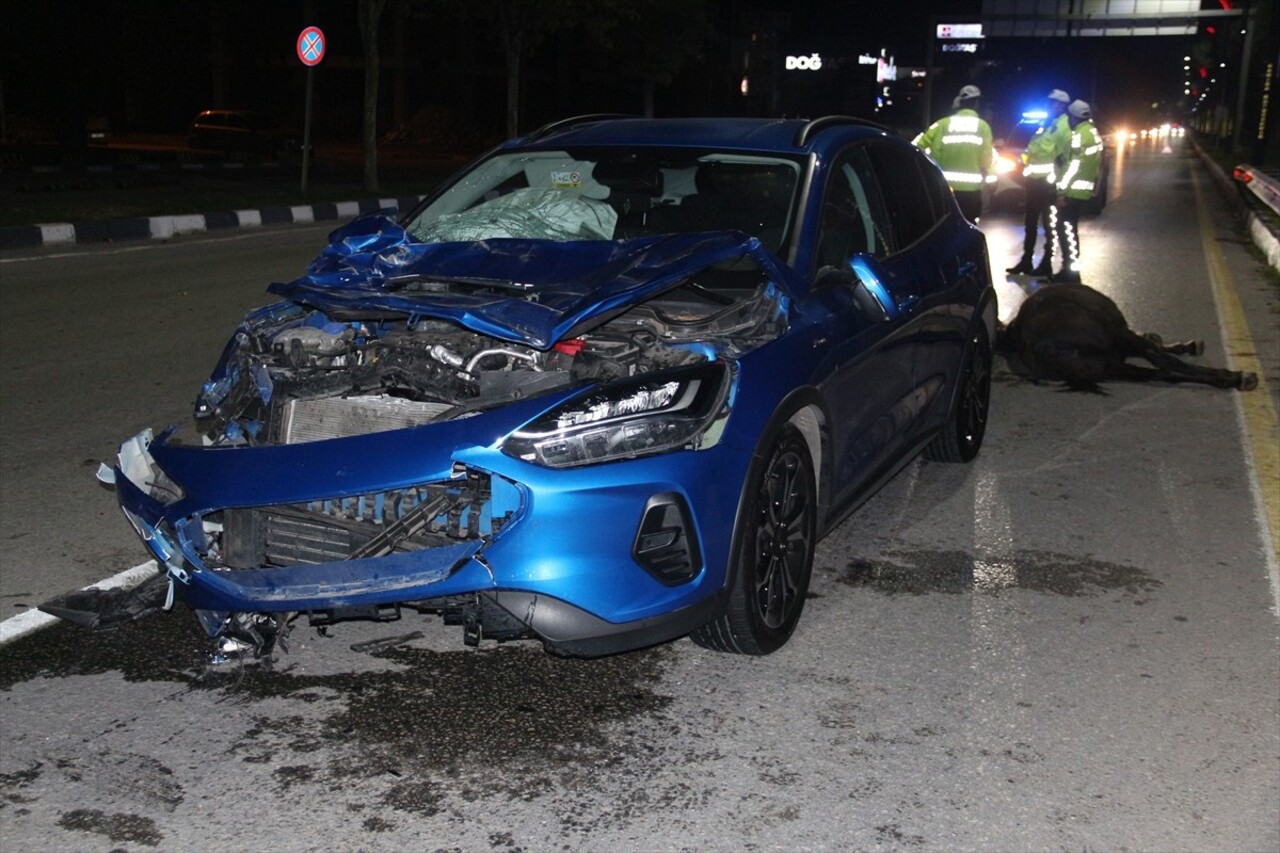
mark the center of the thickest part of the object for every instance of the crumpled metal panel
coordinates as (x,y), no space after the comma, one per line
(553,287)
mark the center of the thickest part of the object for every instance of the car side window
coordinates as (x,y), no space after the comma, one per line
(852,218)
(936,185)
(911,209)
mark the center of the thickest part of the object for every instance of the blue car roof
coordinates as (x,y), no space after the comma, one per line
(793,137)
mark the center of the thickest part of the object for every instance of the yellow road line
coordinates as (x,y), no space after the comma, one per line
(1257,412)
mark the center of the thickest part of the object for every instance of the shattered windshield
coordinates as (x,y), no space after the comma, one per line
(614,194)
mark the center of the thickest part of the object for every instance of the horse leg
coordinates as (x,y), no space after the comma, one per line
(1127,372)
(1179,348)
(1174,369)
(1184,348)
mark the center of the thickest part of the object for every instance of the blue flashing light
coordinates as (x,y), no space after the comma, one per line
(1034,115)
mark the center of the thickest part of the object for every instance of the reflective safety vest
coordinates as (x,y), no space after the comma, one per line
(1047,153)
(961,145)
(1079,178)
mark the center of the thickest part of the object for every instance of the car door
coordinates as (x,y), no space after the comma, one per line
(868,362)
(947,255)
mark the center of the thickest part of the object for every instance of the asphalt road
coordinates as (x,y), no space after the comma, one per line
(1069,645)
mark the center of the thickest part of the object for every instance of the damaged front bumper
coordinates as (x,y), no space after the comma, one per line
(349,527)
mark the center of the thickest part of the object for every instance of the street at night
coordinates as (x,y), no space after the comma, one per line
(682,474)
(1070,644)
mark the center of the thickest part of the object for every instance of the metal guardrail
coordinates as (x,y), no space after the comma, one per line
(1260,184)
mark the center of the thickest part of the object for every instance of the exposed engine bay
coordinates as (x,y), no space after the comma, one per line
(294,374)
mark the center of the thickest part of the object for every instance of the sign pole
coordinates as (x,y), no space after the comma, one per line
(311,46)
(306,129)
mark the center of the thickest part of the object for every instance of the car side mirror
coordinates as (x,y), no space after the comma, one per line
(865,277)
(870,293)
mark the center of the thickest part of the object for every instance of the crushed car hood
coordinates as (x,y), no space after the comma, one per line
(533,292)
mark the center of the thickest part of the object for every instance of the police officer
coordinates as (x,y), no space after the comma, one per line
(961,145)
(1076,185)
(1045,155)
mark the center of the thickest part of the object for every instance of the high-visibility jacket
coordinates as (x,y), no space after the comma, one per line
(1079,178)
(961,145)
(1047,153)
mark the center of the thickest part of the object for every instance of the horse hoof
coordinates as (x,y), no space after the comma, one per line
(1248,381)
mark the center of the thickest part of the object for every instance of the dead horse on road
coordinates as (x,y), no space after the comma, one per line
(1072,333)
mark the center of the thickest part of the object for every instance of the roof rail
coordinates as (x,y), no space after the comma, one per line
(561,124)
(819,124)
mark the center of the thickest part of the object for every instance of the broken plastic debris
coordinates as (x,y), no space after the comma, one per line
(108,608)
(381,645)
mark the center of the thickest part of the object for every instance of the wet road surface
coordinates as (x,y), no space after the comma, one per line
(1071,644)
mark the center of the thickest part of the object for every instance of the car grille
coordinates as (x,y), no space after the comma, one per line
(355,527)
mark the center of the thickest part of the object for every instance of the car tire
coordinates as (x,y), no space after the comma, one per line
(961,438)
(773,556)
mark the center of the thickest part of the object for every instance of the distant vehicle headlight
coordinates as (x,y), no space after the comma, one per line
(1004,165)
(641,416)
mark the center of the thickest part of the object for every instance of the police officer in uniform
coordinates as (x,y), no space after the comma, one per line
(961,145)
(1045,155)
(1076,184)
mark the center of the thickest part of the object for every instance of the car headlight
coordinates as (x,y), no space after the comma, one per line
(640,416)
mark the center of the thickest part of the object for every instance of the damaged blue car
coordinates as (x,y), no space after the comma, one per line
(606,387)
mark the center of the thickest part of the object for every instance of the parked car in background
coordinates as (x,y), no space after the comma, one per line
(605,388)
(1007,192)
(240,131)
(1006,185)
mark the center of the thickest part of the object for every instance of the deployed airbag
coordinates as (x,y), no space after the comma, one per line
(526,214)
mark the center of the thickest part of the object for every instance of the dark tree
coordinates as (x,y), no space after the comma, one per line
(521,26)
(370,12)
(654,43)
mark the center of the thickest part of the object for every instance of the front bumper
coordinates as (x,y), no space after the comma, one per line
(562,551)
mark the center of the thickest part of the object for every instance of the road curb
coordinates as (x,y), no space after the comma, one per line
(164,227)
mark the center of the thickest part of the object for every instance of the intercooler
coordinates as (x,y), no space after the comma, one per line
(359,526)
(336,417)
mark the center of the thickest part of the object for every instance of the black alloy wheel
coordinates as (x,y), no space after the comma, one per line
(774,559)
(961,438)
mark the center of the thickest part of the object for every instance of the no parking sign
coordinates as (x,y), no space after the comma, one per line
(311,46)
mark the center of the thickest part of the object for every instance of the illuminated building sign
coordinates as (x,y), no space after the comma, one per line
(885,68)
(812,62)
(960,31)
(960,47)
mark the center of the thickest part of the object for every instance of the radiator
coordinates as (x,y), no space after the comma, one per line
(335,417)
